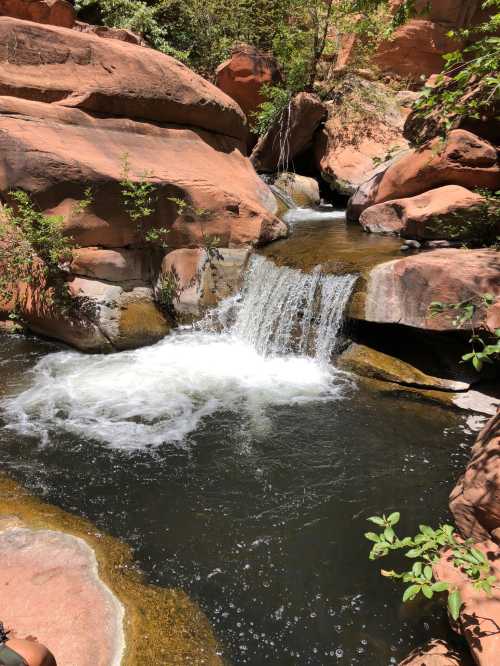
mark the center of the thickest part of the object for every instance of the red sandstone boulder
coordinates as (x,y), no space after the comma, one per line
(425,216)
(415,49)
(54,12)
(401,291)
(350,145)
(479,620)
(200,281)
(436,653)
(117,265)
(71,150)
(243,76)
(462,159)
(475,500)
(105,76)
(290,136)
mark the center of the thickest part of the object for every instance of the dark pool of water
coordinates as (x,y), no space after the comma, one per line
(264,527)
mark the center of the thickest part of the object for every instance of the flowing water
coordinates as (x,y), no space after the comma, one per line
(241,467)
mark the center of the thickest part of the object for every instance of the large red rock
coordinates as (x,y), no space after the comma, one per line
(475,500)
(401,291)
(71,150)
(425,216)
(110,77)
(290,136)
(117,265)
(53,12)
(54,592)
(350,144)
(436,653)
(462,159)
(479,619)
(415,49)
(243,76)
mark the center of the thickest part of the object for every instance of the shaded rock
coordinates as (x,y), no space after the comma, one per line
(302,190)
(55,589)
(105,317)
(118,265)
(368,362)
(436,653)
(54,12)
(121,34)
(290,136)
(202,282)
(462,159)
(401,291)
(244,74)
(415,49)
(425,216)
(479,619)
(105,76)
(352,142)
(475,500)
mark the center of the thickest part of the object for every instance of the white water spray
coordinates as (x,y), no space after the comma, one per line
(162,394)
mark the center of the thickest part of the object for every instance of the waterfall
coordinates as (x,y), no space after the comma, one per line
(283,310)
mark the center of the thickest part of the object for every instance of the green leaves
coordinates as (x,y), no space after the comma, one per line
(426,547)
(454,604)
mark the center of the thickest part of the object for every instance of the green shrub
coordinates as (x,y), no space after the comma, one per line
(33,251)
(425,549)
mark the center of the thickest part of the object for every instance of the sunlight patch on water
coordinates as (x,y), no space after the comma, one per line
(159,394)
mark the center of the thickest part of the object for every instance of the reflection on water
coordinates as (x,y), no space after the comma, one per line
(323,237)
(257,506)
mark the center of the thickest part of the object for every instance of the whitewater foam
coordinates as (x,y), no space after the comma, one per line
(159,394)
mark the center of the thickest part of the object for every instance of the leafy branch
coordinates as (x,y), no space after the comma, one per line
(485,346)
(427,548)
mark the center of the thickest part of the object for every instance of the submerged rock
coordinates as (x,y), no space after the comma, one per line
(432,215)
(78,591)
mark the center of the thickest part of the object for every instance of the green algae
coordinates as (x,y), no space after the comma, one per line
(163,627)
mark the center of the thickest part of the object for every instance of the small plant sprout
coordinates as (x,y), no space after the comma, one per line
(88,199)
(138,195)
(485,345)
(426,549)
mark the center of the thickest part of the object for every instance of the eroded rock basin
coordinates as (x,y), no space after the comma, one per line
(258,509)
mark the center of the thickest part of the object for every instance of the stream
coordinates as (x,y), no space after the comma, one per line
(241,467)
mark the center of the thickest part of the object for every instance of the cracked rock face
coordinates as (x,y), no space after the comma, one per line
(51,589)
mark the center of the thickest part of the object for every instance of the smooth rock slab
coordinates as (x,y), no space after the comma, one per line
(50,588)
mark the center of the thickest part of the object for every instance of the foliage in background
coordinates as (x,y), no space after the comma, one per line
(426,548)
(33,251)
(485,345)
(469,85)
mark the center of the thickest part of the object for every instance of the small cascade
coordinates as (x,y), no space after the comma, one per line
(285,198)
(283,138)
(286,311)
